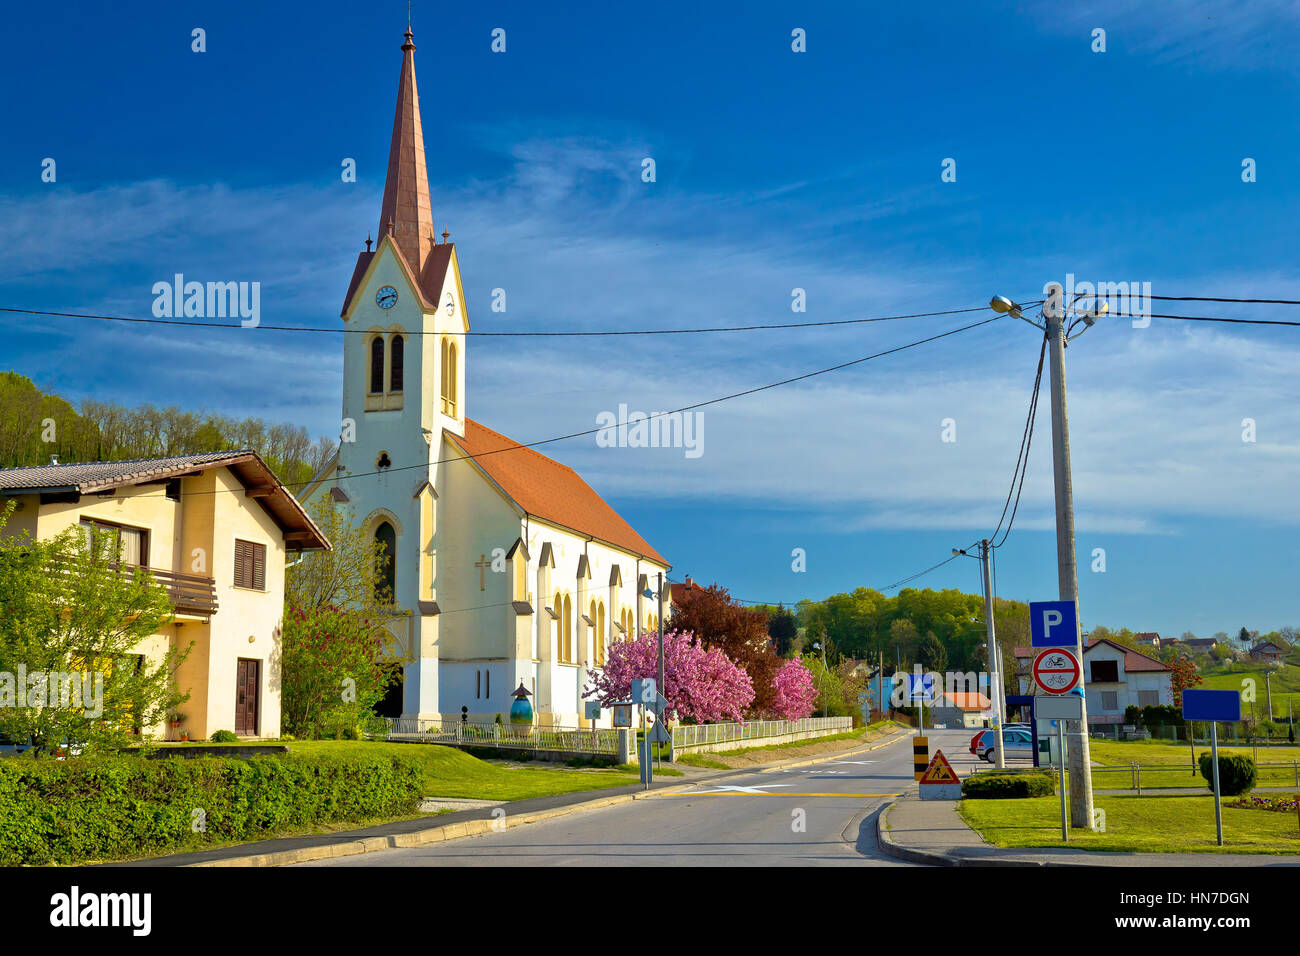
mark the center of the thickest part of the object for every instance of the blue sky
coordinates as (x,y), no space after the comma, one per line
(775,170)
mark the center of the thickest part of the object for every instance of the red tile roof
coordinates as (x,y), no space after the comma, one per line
(968,700)
(1133,660)
(548,490)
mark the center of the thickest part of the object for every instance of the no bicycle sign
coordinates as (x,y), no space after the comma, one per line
(1056,671)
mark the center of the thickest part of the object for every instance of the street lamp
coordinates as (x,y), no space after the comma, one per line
(1054,314)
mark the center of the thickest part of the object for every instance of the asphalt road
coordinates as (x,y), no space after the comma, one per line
(819,815)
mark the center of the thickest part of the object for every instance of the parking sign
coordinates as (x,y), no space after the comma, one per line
(1053,624)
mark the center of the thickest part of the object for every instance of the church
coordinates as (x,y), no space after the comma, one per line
(507,570)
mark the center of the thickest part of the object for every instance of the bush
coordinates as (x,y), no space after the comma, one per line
(225,737)
(90,808)
(1002,786)
(1236,773)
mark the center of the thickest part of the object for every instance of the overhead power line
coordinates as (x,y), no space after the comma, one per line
(675,411)
(1022,460)
(190,323)
(1200,318)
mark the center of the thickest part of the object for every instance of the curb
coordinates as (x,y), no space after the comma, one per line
(437,834)
(467,828)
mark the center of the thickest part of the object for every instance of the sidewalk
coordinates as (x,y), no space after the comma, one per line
(930,832)
(469,822)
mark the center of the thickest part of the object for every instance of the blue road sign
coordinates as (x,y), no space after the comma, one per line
(1220,705)
(644,690)
(919,687)
(1053,624)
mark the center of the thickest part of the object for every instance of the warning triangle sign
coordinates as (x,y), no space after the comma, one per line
(940,770)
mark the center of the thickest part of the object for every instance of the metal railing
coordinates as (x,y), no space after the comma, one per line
(702,735)
(504,736)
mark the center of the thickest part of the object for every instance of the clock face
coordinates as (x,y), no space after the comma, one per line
(451,304)
(386,297)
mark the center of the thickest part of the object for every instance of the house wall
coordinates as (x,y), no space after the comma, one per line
(1126,688)
(196,536)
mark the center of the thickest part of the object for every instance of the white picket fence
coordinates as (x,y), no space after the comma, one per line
(702,735)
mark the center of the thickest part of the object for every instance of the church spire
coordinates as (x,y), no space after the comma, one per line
(406,190)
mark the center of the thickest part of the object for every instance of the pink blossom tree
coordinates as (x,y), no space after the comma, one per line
(794,694)
(700,685)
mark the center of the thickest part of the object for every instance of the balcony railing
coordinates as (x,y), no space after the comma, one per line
(188,592)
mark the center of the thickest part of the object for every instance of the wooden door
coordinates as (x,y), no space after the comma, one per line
(248,685)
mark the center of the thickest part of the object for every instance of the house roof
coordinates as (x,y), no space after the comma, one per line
(1148,636)
(1133,660)
(1266,644)
(967,700)
(86,478)
(545,489)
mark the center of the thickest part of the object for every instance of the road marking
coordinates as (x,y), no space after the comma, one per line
(749,792)
(757,789)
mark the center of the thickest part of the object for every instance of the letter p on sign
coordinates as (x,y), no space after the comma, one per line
(1053,624)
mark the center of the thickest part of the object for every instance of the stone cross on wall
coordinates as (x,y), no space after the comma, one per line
(482,565)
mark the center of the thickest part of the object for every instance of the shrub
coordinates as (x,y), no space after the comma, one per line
(90,808)
(1236,773)
(1001,786)
(225,737)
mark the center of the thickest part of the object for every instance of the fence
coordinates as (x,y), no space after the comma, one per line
(703,735)
(504,736)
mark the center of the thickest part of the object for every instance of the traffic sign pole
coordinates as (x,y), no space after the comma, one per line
(1060,738)
(1214,758)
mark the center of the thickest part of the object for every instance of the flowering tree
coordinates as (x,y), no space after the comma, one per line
(700,685)
(793,691)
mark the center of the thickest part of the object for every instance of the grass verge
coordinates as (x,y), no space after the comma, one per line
(1135,824)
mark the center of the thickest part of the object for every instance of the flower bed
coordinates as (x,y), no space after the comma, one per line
(1282,803)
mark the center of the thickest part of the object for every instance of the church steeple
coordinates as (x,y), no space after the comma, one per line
(406,190)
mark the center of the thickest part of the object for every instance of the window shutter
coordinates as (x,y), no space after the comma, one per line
(241,562)
(250,565)
(259,567)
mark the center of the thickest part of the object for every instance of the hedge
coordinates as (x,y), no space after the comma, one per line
(1236,773)
(95,808)
(1001,786)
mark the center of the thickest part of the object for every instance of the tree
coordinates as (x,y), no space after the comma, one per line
(74,622)
(904,640)
(1182,677)
(339,658)
(700,684)
(739,632)
(793,692)
(931,654)
(782,629)
(334,671)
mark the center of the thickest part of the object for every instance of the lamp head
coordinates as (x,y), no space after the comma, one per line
(1004,306)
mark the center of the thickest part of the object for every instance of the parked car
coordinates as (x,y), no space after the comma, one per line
(11,747)
(1015,742)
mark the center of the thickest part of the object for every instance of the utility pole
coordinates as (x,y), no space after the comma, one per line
(1054,313)
(660,718)
(995,656)
(1268,692)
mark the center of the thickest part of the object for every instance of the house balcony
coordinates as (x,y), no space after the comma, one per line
(189,593)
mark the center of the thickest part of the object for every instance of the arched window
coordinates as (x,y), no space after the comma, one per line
(395,350)
(567,641)
(595,631)
(444,381)
(558,608)
(454,374)
(377,364)
(386,575)
(600,634)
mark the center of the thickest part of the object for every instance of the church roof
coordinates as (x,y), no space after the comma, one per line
(406,207)
(545,489)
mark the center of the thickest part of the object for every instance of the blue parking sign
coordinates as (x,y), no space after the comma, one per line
(1053,624)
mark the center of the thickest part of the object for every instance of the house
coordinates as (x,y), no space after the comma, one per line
(1115,678)
(1268,652)
(509,570)
(962,709)
(1149,639)
(214,529)
(1199,645)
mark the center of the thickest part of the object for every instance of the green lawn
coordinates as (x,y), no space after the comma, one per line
(1285,684)
(1136,824)
(449,772)
(1118,754)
